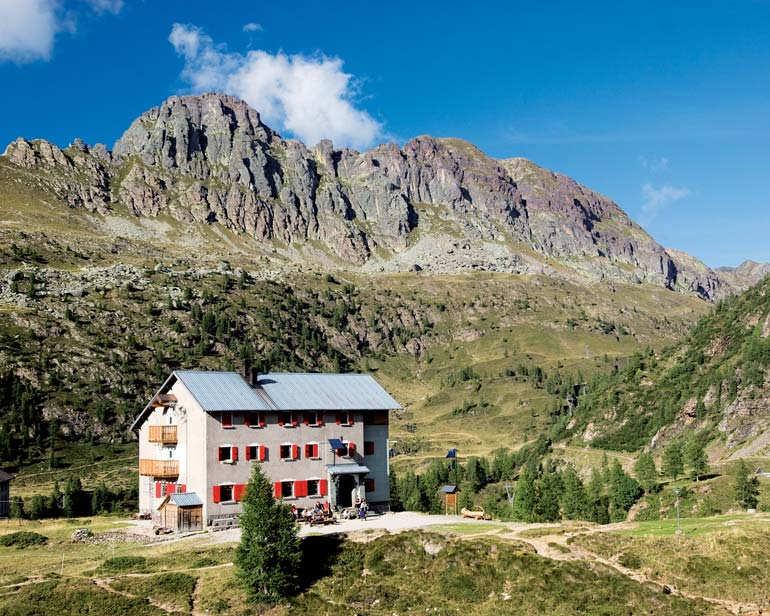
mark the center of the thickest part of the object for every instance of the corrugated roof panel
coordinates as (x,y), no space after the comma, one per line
(186,499)
(326,392)
(222,391)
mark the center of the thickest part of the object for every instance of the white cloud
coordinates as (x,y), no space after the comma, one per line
(311,97)
(106,6)
(252,26)
(654,164)
(27,29)
(657,199)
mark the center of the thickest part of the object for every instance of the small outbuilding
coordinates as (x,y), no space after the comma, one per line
(449,492)
(181,512)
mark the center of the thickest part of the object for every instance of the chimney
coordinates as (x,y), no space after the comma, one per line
(253,376)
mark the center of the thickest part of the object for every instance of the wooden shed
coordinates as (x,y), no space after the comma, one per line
(449,493)
(182,512)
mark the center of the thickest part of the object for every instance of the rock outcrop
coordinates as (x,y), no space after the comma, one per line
(209,159)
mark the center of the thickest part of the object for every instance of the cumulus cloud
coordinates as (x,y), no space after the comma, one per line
(252,26)
(657,199)
(311,97)
(27,29)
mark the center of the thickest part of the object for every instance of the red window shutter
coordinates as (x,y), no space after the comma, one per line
(239,489)
(234,454)
(181,488)
(170,488)
(315,451)
(323,487)
(216,494)
(300,488)
(295,419)
(277,489)
(247,453)
(219,454)
(308,450)
(227,420)
(158,489)
(262,453)
(295,452)
(320,419)
(351,449)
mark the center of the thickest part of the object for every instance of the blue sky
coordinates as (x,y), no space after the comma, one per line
(663,108)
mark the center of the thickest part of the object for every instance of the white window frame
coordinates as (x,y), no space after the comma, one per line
(231,500)
(230,458)
(289,445)
(318,487)
(291,482)
(318,457)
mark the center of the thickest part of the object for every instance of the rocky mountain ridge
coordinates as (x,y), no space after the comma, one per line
(433,204)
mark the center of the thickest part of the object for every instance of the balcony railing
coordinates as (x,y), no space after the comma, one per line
(163,434)
(164,469)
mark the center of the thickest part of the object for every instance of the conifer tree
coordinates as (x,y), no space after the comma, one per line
(574,502)
(549,488)
(673,460)
(745,486)
(646,472)
(526,494)
(395,496)
(623,492)
(269,556)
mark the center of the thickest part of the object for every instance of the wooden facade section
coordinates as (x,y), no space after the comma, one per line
(166,435)
(163,469)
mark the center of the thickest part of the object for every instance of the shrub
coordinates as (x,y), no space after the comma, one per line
(23,539)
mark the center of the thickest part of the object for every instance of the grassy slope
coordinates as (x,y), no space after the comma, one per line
(723,359)
(483,575)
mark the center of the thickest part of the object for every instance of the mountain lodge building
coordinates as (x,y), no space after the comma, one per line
(317,437)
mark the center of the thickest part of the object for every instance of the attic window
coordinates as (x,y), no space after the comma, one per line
(227,419)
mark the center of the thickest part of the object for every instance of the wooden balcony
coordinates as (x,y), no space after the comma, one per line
(163,469)
(165,435)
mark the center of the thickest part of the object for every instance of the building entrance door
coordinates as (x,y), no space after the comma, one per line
(345,486)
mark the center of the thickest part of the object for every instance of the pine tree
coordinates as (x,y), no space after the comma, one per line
(745,486)
(17,507)
(646,472)
(547,507)
(269,556)
(72,497)
(673,460)
(623,492)
(526,494)
(598,503)
(574,502)
(695,456)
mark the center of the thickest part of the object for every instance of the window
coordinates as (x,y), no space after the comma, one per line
(287,489)
(369,484)
(227,453)
(226,493)
(288,420)
(227,419)
(289,451)
(254,420)
(256,452)
(313,489)
(285,452)
(311,451)
(345,419)
(368,448)
(313,419)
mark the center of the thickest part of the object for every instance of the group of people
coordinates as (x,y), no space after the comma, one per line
(309,514)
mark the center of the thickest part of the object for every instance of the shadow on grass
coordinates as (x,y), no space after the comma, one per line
(319,554)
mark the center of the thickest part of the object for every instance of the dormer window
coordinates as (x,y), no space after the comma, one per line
(255,420)
(313,419)
(345,418)
(288,420)
(227,419)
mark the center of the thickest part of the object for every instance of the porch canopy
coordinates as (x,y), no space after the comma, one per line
(347,469)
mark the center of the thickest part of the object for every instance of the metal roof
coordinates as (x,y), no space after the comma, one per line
(346,469)
(325,392)
(185,499)
(449,489)
(222,391)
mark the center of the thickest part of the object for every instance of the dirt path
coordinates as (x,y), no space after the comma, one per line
(545,546)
